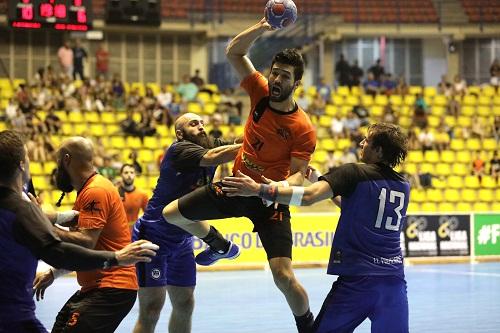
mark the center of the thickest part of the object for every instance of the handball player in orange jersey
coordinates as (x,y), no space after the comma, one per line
(278,142)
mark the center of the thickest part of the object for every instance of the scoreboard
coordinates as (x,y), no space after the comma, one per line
(73,15)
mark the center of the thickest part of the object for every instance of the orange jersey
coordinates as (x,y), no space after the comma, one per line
(272,137)
(100,207)
(133,202)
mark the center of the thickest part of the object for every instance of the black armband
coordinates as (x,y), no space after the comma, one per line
(268,192)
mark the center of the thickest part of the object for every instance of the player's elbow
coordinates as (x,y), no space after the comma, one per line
(308,198)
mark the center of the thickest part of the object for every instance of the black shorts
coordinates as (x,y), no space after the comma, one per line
(272,225)
(98,310)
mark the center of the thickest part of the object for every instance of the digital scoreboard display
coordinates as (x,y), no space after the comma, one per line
(73,15)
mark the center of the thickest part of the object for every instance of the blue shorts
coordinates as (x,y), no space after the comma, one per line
(173,264)
(382,299)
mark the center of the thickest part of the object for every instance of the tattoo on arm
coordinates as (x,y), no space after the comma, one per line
(268,192)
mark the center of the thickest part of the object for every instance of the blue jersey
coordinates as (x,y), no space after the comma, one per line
(24,233)
(373,212)
(180,174)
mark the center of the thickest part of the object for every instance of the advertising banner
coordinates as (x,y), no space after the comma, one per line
(486,234)
(436,235)
(312,238)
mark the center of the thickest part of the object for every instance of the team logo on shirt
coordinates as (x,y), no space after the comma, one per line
(284,133)
(92,207)
(155,273)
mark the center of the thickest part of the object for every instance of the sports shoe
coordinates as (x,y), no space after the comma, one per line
(209,257)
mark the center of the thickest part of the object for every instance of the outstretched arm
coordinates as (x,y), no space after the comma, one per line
(238,48)
(242,185)
(220,155)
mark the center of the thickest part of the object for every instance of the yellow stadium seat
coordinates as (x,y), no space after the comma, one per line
(446,207)
(330,110)
(356,91)
(327,144)
(455,182)
(469,100)
(464,156)
(480,207)
(133,142)
(41,183)
(442,169)
(448,156)
(319,156)
(376,111)
(204,97)
(352,100)
(438,111)
(439,183)
(464,121)
(484,100)
(433,121)
(48,167)
(430,91)
(145,155)
(496,110)
(367,100)
(405,122)
(486,195)
(156,89)
(484,111)
(97,129)
(75,117)
(325,121)
(434,195)
(457,144)
(496,100)
(343,91)
(463,207)
(488,90)
(418,195)
(36,168)
(428,207)
(473,144)
(413,207)
(468,111)
(381,100)
(452,195)
(113,129)
(468,195)
(440,100)
(92,117)
(460,169)
(81,129)
(396,100)
(151,142)
(488,182)
(117,142)
(415,90)
(108,118)
(210,108)
(194,107)
(431,156)
(337,99)
(497,195)
(410,168)
(415,156)
(489,144)
(472,182)
(495,206)
(427,167)
(450,121)
(343,143)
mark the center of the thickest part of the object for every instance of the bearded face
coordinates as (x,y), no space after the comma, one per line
(279,92)
(200,139)
(63,179)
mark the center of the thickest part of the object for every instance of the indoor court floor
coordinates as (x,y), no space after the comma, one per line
(458,298)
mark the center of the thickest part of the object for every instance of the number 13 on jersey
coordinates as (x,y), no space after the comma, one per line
(393,195)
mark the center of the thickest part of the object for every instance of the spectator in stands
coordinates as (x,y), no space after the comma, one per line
(343,71)
(351,123)
(216,122)
(371,86)
(387,84)
(495,166)
(402,87)
(356,74)
(444,87)
(196,79)
(453,106)
(324,90)
(65,57)
(442,138)
(477,129)
(478,166)
(413,142)
(420,112)
(102,61)
(11,109)
(317,107)
(496,128)
(164,97)
(362,113)
(107,170)
(36,149)
(459,86)
(18,122)
(426,139)
(187,89)
(389,114)
(24,99)
(423,179)
(302,100)
(348,157)
(331,161)
(79,54)
(377,70)
(231,107)
(336,127)
(494,68)
(133,160)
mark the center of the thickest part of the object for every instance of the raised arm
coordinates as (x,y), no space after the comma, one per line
(238,48)
(219,155)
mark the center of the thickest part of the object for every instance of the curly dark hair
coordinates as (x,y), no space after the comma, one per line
(11,154)
(293,58)
(392,140)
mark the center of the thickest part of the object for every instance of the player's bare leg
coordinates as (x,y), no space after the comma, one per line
(151,301)
(182,300)
(172,214)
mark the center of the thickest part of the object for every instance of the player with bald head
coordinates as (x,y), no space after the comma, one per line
(106,296)
(189,163)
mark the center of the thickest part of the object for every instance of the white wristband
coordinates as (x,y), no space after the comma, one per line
(297,194)
(63,217)
(58,272)
(284,183)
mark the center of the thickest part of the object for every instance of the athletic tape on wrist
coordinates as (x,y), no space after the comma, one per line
(297,194)
(284,183)
(63,217)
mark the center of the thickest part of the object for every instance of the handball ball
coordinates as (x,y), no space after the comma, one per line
(280,13)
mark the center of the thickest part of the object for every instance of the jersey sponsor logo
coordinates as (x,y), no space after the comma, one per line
(155,273)
(92,207)
(251,165)
(284,133)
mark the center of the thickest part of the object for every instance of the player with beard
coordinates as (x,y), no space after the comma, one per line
(106,296)
(133,199)
(278,142)
(189,163)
